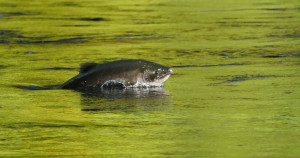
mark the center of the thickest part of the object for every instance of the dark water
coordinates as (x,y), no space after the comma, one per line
(235,91)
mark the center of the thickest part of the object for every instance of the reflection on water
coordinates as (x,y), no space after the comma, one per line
(123,93)
(128,99)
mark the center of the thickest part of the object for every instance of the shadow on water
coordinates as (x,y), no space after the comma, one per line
(9,14)
(31,125)
(33,87)
(183,66)
(89,19)
(127,100)
(57,68)
(16,37)
(2,66)
(232,79)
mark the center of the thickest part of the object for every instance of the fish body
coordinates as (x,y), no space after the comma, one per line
(124,73)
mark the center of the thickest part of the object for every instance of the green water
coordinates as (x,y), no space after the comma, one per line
(235,91)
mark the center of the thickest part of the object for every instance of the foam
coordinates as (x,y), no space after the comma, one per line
(145,85)
(138,84)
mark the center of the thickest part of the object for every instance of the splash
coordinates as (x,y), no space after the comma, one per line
(138,84)
(145,85)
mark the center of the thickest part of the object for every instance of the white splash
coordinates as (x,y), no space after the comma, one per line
(138,84)
(113,83)
(156,83)
(145,85)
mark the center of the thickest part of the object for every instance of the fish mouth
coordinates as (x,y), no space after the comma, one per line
(164,77)
(168,73)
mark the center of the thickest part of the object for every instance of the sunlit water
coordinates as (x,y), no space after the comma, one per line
(234,92)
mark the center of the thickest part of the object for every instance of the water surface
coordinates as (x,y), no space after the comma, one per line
(234,93)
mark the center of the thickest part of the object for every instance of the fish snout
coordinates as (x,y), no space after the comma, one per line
(170,71)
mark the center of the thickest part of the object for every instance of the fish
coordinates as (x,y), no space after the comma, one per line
(121,73)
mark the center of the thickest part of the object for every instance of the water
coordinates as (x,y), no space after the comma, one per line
(234,92)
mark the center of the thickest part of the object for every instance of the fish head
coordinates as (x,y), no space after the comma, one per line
(154,73)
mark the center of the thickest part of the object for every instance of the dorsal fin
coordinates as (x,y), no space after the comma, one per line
(85,67)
